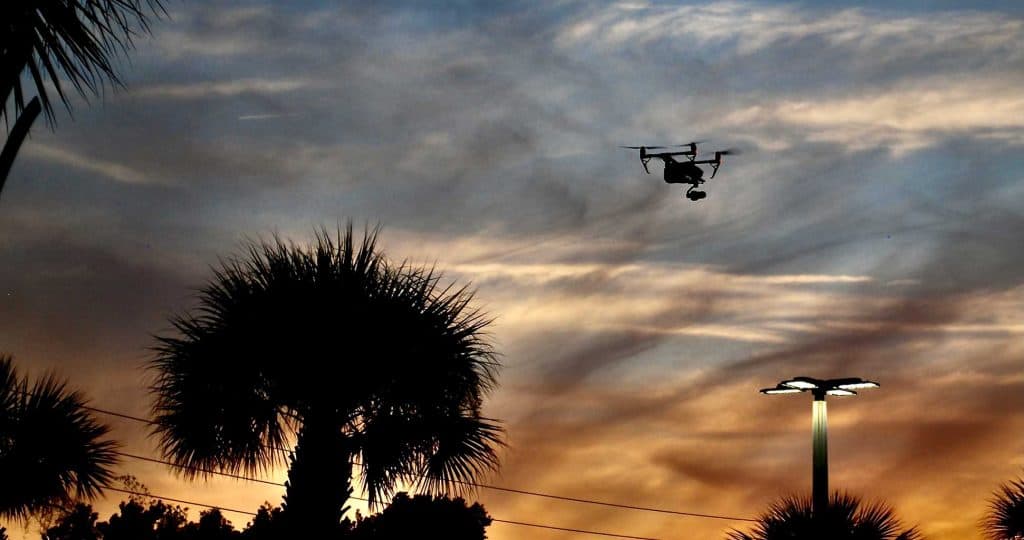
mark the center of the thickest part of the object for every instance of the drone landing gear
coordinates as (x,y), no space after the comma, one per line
(695,194)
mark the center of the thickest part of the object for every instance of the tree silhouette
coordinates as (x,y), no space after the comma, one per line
(269,524)
(58,41)
(51,448)
(335,348)
(212,525)
(424,516)
(136,521)
(406,518)
(1005,518)
(845,518)
(78,523)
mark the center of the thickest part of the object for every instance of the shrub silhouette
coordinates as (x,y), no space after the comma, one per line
(424,516)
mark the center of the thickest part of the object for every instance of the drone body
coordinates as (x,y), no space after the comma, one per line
(683,172)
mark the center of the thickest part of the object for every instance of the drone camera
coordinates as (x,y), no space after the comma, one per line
(696,195)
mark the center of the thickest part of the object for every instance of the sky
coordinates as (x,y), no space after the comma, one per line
(867,229)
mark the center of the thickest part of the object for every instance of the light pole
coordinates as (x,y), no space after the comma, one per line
(819,422)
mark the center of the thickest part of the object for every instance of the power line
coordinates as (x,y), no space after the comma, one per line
(200,469)
(613,505)
(182,501)
(571,530)
(120,415)
(474,484)
(508,521)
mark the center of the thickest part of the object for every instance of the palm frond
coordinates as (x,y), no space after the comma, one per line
(74,42)
(211,411)
(465,450)
(1005,518)
(845,518)
(285,333)
(52,450)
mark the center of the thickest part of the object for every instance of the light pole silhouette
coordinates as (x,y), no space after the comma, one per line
(819,423)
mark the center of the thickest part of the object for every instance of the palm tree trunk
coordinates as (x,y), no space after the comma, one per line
(319,479)
(16,137)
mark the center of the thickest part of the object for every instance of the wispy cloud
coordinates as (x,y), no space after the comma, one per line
(109,169)
(870,229)
(905,118)
(220,88)
(751,27)
(266,116)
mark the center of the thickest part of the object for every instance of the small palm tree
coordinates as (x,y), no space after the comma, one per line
(1005,519)
(347,355)
(51,448)
(56,42)
(845,518)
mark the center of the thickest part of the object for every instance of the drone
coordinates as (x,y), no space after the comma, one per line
(683,172)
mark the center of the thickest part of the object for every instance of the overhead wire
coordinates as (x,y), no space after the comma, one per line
(495,520)
(474,484)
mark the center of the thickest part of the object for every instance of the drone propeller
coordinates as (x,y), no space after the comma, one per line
(717,162)
(662,147)
(667,156)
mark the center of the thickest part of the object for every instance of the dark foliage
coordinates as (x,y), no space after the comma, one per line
(333,347)
(136,521)
(56,42)
(212,525)
(269,524)
(78,523)
(845,518)
(424,516)
(1005,518)
(406,518)
(66,41)
(52,450)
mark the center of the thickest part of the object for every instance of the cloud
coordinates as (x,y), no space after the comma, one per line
(870,229)
(219,88)
(750,27)
(264,116)
(903,119)
(108,169)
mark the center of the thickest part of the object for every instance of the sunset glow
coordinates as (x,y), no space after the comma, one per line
(871,227)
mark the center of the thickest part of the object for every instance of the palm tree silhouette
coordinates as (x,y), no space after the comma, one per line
(1005,519)
(336,349)
(51,448)
(845,518)
(57,42)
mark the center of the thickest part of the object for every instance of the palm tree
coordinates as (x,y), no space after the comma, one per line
(51,448)
(58,42)
(1005,519)
(341,352)
(845,518)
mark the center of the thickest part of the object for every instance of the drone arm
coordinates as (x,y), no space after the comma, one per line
(715,163)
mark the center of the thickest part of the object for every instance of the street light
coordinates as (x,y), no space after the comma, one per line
(819,422)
